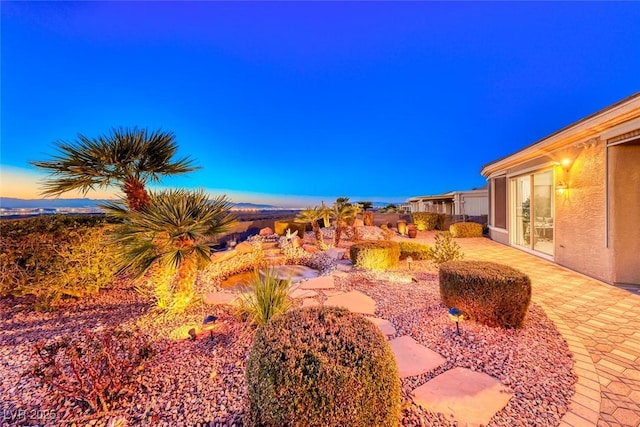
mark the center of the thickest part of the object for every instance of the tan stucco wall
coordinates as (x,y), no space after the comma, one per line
(624,176)
(580,220)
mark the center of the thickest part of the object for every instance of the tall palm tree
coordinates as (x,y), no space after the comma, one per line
(342,213)
(366,205)
(170,232)
(127,157)
(312,216)
(342,201)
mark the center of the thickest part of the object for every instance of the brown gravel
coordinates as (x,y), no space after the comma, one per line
(202,382)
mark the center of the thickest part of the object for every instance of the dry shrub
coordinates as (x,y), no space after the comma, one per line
(322,366)
(94,368)
(490,293)
(466,229)
(55,257)
(375,255)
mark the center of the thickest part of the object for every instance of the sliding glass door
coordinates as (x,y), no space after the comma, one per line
(532,211)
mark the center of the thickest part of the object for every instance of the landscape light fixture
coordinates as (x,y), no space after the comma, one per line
(209,324)
(409,261)
(456,316)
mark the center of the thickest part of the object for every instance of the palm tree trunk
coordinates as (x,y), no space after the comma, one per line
(338,234)
(186,276)
(137,196)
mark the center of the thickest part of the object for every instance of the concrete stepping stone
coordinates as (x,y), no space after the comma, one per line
(354,301)
(294,273)
(385,326)
(340,274)
(224,298)
(413,358)
(469,397)
(303,293)
(309,302)
(332,292)
(323,282)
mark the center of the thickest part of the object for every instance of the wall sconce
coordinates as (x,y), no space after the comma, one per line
(561,187)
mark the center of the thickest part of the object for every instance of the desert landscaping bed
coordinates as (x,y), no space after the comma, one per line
(202,382)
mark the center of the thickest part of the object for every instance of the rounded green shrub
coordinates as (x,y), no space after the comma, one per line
(322,366)
(416,251)
(466,229)
(425,220)
(487,292)
(375,254)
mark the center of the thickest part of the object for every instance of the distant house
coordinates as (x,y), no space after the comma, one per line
(468,203)
(574,196)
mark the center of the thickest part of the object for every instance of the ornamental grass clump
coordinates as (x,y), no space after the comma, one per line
(466,229)
(322,366)
(489,293)
(375,254)
(266,297)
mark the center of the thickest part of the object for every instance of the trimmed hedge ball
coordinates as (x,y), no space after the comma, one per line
(489,293)
(375,255)
(417,251)
(466,229)
(425,220)
(322,366)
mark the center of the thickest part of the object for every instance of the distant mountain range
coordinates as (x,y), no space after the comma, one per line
(13,203)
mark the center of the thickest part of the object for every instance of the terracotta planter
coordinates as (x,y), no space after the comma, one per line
(402,227)
(413,233)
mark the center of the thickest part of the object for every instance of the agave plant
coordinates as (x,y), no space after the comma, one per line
(170,233)
(312,216)
(128,158)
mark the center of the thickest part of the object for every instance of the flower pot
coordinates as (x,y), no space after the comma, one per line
(402,226)
(412,233)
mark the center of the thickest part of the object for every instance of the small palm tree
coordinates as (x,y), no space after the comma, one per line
(170,232)
(312,216)
(327,214)
(342,213)
(366,205)
(126,157)
(342,201)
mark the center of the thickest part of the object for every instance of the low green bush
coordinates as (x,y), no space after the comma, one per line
(416,251)
(466,229)
(445,249)
(425,220)
(280,227)
(322,366)
(375,254)
(490,293)
(54,257)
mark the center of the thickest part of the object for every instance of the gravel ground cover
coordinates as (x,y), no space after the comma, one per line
(202,382)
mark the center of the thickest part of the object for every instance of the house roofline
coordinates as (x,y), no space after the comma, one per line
(553,138)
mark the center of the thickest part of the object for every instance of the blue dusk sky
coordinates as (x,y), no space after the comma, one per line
(291,103)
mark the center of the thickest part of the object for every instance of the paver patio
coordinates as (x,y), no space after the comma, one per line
(600,322)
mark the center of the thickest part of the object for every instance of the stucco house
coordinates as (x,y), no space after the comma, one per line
(470,203)
(574,196)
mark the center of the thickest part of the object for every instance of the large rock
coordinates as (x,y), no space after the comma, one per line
(238,281)
(336,253)
(312,249)
(244,248)
(267,231)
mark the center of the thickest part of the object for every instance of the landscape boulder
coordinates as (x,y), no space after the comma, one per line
(267,231)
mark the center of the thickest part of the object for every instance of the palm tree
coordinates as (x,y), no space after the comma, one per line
(126,157)
(327,214)
(342,201)
(341,214)
(312,216)
(366,205)
(170,233)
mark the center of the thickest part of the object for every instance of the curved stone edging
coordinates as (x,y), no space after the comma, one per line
(587,389)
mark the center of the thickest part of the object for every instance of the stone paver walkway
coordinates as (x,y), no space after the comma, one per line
(600,322)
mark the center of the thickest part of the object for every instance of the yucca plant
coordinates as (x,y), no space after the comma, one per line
(127,157)
(170,232)
(266,297)
(312,216)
